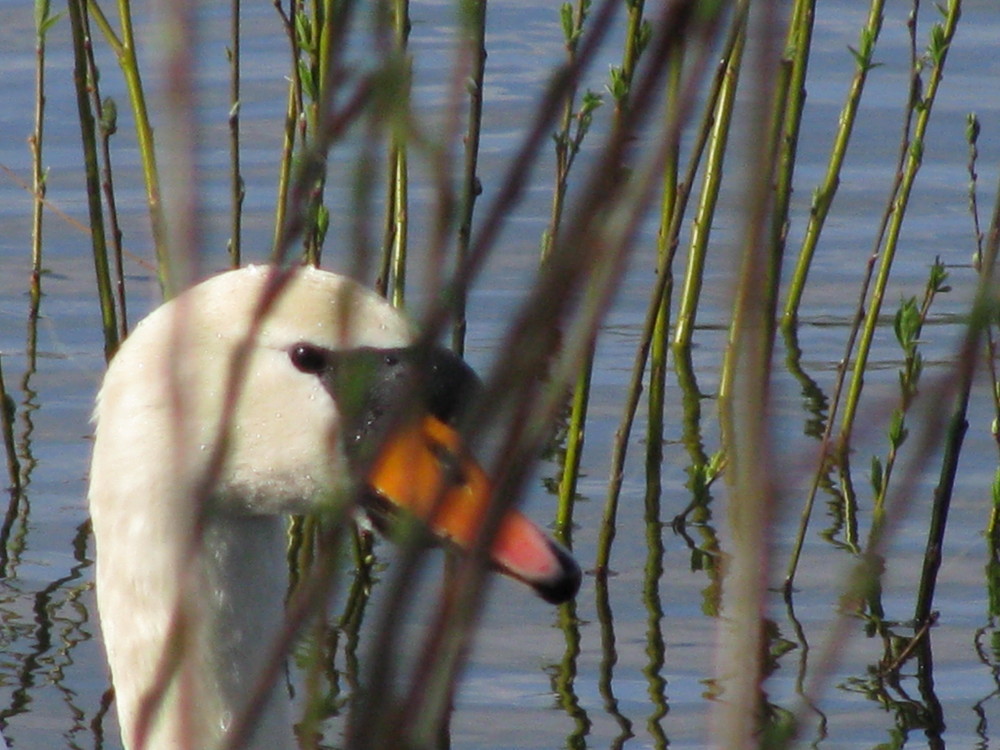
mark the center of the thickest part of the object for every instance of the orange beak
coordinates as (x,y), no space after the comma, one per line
(424,470)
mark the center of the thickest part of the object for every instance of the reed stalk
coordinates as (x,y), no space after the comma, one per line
(88,132)
(317,76)
(745,420)
(953,438)
(563,278)
(703,469)
(993,530)
(567,139)
(182,134)
(237,190)
(824,194)
(293,108)
(666,247)
(867,312)
(124,48)
(656,327)
(573,128)
(617,472)
(620,86)
(664,277)
(107,116)
(44,20)
(320,119)
(922,104)
(788,107)
(453,208)
(397,220)
(984,315)
(780,143)
(908,325)
(717,146)
(386,635)
(512,185)
(474,28)
(826,457)
(909,322)
(993,524)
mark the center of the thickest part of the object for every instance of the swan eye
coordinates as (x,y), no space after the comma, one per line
(308,358)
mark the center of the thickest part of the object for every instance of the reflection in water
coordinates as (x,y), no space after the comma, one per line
(655,644)
(60,623)
(609,657)
(564,674)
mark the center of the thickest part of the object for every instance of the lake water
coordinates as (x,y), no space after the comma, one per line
(525,687)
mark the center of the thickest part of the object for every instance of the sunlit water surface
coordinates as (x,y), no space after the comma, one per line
(52,674)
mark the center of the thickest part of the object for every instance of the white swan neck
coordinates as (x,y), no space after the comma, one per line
(233,593)
(247,583)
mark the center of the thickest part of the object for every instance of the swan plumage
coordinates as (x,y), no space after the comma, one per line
(216,416)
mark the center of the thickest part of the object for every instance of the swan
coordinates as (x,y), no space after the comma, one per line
(225,409)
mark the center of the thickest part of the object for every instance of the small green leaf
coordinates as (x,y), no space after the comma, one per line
(938,45)
(48,23)
(906,324)
(566,18)
(897,430)
(322,223)
(308,80)
(877,476)
(618,84)
(716,463)
(304,33)
(971,128)
(109,116)
(938,276)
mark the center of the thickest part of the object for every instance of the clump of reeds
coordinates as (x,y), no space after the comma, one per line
(681,68)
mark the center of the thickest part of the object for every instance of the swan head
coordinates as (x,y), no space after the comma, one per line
(261,393)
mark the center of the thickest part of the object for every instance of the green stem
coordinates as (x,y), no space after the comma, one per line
(984,312)
(718,143)
(397,217)
(476,41)
(236,187)
(77,16)
(293,107)
(827,190)
(788,106)
(566,149)
(400,221)
(924,105)
(36,143)
(574,449)
(581,393)
(665,250)
(125,49)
